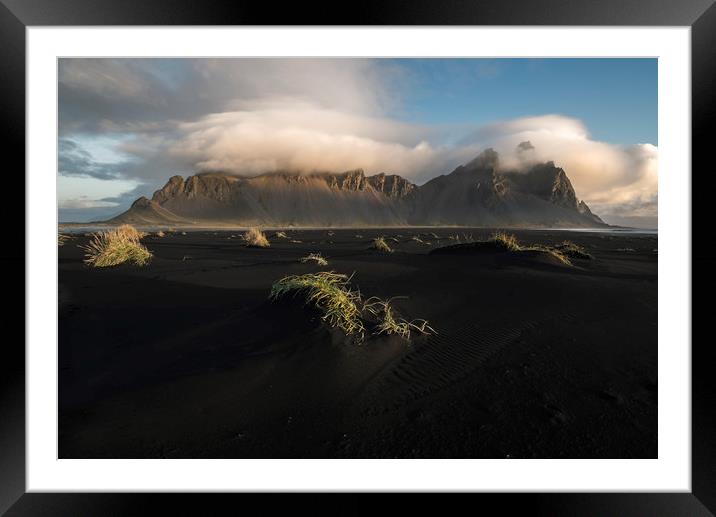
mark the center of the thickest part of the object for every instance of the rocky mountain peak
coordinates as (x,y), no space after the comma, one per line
(142,202)
(486,160)
(350,180)
(391,185)
(478,193)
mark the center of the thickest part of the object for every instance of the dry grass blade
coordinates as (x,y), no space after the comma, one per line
(551,251)
(315,257)
(280,235)
(255,238)
(115,247)
(572,250)
(130,232)
(389,323)
(62,238)
(329,292)
(380,245)
(506,241)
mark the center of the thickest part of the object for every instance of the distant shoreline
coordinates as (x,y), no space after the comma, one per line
(229,227)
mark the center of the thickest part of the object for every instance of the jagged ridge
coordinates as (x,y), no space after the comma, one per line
(476,193)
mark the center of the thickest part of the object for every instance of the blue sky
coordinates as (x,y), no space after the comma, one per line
(615,98)
(127,125)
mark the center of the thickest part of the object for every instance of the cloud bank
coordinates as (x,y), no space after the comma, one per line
(251,116)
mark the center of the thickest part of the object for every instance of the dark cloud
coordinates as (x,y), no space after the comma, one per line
(127,198)
(101,95)
(73,160)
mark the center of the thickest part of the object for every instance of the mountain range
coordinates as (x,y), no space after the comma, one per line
(479,193)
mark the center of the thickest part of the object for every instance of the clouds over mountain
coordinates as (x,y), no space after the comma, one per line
(247,116)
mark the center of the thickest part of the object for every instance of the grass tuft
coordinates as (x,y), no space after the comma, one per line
(572,250)
(380,245)
(509,242)
(564,259)
(255,238)
(116,246)
(315,257)
(62,238)
(330,293)
(506,241)
(131,232)
(388,321)
(343,308)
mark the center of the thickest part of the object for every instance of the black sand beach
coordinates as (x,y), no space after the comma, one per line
(187,357)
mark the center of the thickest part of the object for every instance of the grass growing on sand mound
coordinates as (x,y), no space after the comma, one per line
(506,241)
(255,238)
(344,308)
(315,257)
(115,247)
(572,250)
(550,251)
(509,243)
(380,245)
(330,293)
(389,323)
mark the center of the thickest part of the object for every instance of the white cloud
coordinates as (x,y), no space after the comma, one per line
(608,177)
(303,137)
(300,136)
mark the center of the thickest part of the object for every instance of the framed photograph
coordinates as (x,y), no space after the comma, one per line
(414,251)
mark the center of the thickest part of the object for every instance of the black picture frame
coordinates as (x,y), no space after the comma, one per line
(16,15)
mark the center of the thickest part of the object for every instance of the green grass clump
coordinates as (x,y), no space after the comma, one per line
(255,238)
(343,307)
(330,293)
(389,323)
(380,245)
(116,246)
(315,257)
